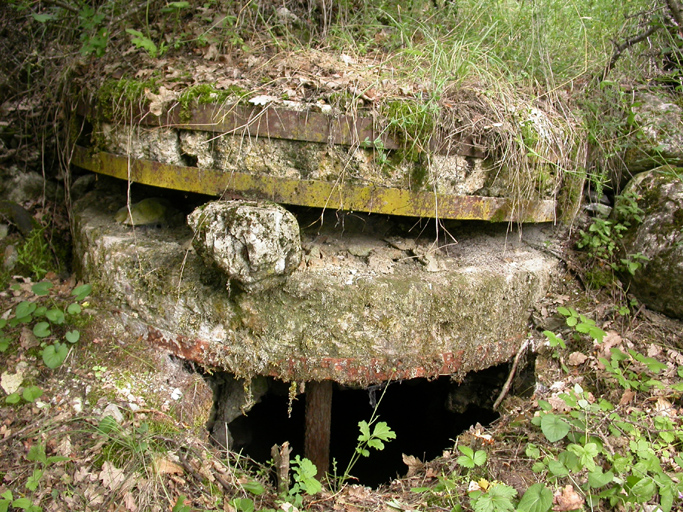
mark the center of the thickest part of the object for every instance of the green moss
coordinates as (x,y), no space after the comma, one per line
(205,94)
(598,278)
(115,98)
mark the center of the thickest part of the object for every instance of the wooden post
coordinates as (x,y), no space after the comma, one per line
(318,425)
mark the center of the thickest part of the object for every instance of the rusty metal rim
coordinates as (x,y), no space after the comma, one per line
(342,370)
(284,123)
(317,194)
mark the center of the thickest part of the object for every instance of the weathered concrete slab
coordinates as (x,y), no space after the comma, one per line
(362,307)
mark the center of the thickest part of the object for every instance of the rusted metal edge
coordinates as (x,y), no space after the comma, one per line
(317,194)
(283,123)
(342,370)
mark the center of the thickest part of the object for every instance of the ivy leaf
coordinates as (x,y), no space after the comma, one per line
(532,451)
(82,291)
(41,329)
(643,490)
(554,428)
(24,309)
(54,355)
(241,504)
(37,453)
(72,336)
(22,503)
(42,288)
(498,499)
(253,487)
(74,309)
(479,457)
(537,498)
(33,481)
(42,18)
(56,316)
(364,431)
(12,398)
(32,393)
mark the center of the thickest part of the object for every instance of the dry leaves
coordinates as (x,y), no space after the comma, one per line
(414,464)
(111,477)
(576,358)
(567,499)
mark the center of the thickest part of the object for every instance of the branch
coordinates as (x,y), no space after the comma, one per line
(627,44)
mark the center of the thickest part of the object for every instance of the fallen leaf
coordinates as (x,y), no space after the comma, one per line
(558,404)
(111,476)
(611,340)
(82,474)
(93,496)
(129,501)
(157,101)
(11,382)
(27,339)
(414,464)
(567,499)
(576,358)
(64,448)
(664,407)
(165,466)
(347,59)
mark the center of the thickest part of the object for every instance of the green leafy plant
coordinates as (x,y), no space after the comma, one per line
(140,40)
(35,255)
(471,459)
(41,462)
(373,434)
(602,240)
(50,320)
(644,470)
(305,482)
(496,497)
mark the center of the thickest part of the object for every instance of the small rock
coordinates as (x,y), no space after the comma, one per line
(81,185)
(4,231)
(148,212)
(598,210)
(255,243)
(10,257)
(658,283)
(113,411)
(360,250)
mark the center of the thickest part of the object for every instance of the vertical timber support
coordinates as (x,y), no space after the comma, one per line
(318,424)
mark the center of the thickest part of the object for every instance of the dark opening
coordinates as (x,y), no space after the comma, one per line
(425,415)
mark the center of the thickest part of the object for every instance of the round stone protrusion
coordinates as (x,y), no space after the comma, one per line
(257,244)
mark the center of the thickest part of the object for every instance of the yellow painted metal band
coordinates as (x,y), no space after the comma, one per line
(319,194)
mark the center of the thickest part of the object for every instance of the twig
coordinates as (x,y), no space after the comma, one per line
(228,488)
(627,44)
(511,376)
(281,459)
